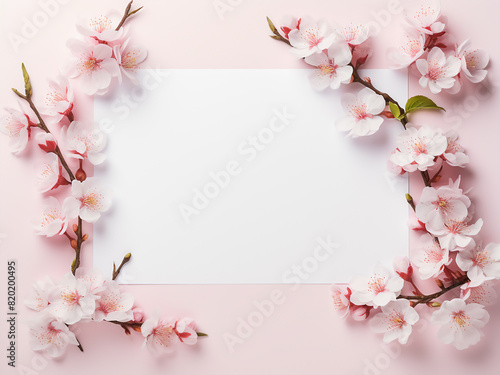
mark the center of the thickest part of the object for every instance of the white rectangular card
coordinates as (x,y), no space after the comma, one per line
(240,177)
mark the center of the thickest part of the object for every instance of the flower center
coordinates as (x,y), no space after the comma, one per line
(413,47)
(435,71)
(376,284)
(14,128)
(456,227)
(418,147)
(71,297)
(92,201)
(312,38)
(328,70)
(359,111)
(433,256)
(397,320)
(100,24)
(461,320)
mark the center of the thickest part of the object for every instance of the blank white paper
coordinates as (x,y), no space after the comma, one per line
(240,177)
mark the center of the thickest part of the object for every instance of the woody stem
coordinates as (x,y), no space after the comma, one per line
(430,297)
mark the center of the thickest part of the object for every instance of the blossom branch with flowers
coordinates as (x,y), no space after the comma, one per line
(103,56)
(448,252)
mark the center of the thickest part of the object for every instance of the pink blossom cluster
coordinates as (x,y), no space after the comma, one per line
(334,52)
(91,297)
(424,148)
(450,253)
(103,55)
(441,63)
(73,199)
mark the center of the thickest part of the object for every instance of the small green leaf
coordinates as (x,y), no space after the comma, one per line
(201,334)
(420,102)
(394,109)
(27,83)
(271,26)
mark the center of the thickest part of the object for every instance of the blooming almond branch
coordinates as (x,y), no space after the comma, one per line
(447,252)
(104,55)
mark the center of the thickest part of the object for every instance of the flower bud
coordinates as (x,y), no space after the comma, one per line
(46,142)
(403,268)
(360,313)
(138,314)
(80,175)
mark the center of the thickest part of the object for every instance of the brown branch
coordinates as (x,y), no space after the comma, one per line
(127,14)
(42,125)
(125,260)
(430,297)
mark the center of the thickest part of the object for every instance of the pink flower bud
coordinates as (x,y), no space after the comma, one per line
(138,314)
(403,268)
(360,313)
(46,141)
(416,224)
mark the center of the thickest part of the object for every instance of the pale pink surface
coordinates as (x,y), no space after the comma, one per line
(303,336)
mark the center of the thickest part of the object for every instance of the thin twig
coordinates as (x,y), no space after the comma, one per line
(127,14)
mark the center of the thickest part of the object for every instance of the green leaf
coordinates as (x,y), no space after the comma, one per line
(27,83)
(394,109)
(271,26)
(201,334)
(420,102)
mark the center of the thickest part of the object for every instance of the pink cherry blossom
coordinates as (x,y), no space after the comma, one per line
(409,51)
(55,218)
(332,67)
(71,301)
(101,30)
(355,34)
(340,297)
(418,148)
(46,141)
(483,293)
(129,58)
(424,15)
(454,154)
(38,299)
(395,321)
(362,110)
(375,290)
(480,263)
(461,323)
(473,62)
(49,173)
(92,199)
(59,100)
(311,38)
(438,71)
(84,141)
(50,335)
(160,334)
(289,25)
(17,126)
(185,329)
(455,234)
(95,65)
(445,202)
(430,258)
(94,279)
(113,305)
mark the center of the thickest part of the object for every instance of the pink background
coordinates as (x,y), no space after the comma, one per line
(302,336)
